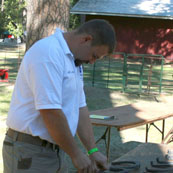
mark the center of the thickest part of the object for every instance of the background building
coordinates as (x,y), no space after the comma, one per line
(142,26)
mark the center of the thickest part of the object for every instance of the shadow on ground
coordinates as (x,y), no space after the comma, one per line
(98,98)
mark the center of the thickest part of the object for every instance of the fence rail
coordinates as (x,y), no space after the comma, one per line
(139,73)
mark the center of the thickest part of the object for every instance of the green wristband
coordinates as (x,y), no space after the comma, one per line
(93,150)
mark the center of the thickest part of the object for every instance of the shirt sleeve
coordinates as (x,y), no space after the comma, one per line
(46,85)
(82,102)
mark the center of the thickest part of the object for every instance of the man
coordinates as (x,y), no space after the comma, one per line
(48,103)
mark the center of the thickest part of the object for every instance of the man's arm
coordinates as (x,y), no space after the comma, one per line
(84,130)
(85,133)
(56,123)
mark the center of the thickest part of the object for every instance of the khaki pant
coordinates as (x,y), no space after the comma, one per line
(20,157)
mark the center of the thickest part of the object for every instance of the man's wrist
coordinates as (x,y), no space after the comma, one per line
(93,150)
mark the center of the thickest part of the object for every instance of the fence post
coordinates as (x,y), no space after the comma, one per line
(141,74)
(161,75)
(108,73)
(124,72)
(93,74)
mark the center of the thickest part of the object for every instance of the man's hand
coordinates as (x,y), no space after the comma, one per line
(83,164)
(85,133)
(100,160)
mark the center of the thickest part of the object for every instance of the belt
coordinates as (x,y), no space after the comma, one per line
(34,140)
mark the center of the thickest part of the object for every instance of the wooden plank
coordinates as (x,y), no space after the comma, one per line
(134,115)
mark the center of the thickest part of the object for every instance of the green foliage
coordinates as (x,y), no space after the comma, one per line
(74,18)
(12,16)
(2,19)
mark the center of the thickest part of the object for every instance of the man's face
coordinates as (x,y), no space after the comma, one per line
(89,54)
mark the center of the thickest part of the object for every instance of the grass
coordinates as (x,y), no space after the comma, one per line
(5,97)
(105,93)
(112,74)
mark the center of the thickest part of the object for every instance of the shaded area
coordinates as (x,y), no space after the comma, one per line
(119,145)
(141,35)
(147,153)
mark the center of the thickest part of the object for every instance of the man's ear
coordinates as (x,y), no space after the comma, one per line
(86,38)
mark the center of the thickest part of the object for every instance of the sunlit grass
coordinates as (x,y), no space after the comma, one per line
(10,58)
(109,74)
(5,98)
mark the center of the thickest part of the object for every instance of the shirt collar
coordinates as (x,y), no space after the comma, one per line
(63,43)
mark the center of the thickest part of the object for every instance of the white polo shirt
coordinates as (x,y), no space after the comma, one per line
(47,79)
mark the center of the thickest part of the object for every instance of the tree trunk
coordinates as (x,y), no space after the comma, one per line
(2,5)
(43,16)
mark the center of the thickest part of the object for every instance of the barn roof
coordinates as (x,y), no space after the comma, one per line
(162,9)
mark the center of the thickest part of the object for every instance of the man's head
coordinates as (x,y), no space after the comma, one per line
(93,40)
(102,33)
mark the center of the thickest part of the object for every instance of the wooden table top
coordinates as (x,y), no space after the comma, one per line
(134,115)
(145,153)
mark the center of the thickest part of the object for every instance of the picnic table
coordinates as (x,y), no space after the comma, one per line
(133,115)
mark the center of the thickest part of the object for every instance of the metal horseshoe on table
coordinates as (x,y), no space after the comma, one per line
(161,165)
(164,162)
(159,170)
(123,167)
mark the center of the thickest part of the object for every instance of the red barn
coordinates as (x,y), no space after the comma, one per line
(142,26)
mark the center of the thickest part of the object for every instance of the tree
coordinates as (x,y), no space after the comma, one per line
(2,5)
(74,18)
(11,16)
(43,16)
